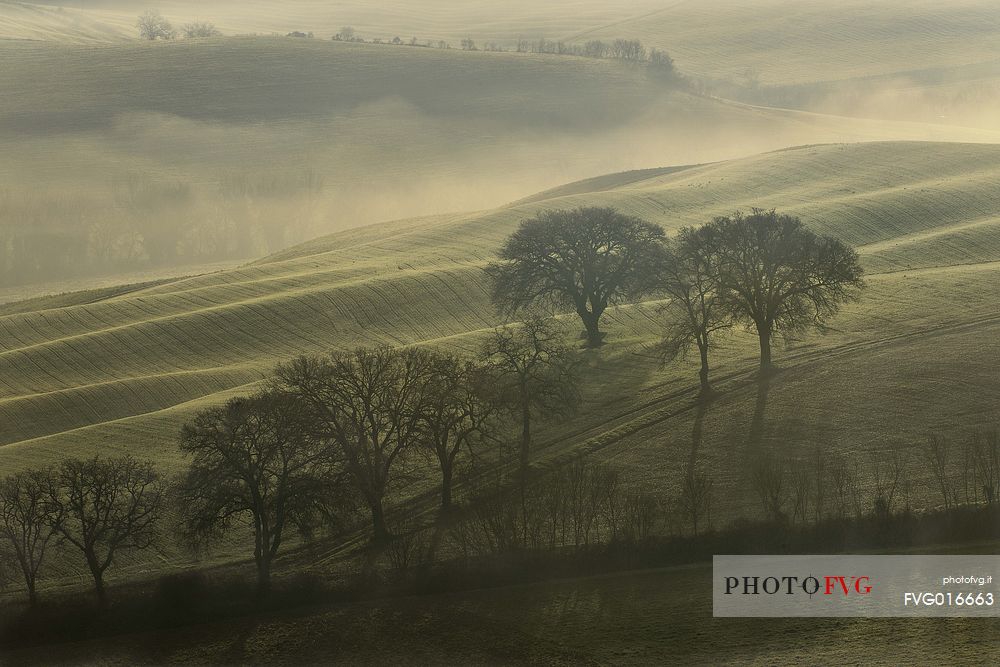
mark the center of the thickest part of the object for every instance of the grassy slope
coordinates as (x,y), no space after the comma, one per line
(919,61)
(918,352)
(785,41)
(922,61)
(789,41)
(123,372)
(428,19)
(199,110)
(128,140)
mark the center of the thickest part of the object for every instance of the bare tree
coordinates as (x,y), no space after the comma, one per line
(767,477)
(801,491)
(819,485)
(627,49)
(889,471)
(153,26)
(586,259)
(368,403)
(459,400)
(255,457)
(595,48)
(937,452)
(200,29)
(985,445)
(346,34)
(536,374)
(26,522)
(661,61)
(105,506)
(689,274)
(780,277)
(840,476)
(695,497)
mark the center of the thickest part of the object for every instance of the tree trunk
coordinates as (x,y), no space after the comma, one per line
(98,575)
(525,440)
(706,388)
(764,333)
(446,475)
(32,593)
(591,327)
(102,596)
(381,532)
(263,576)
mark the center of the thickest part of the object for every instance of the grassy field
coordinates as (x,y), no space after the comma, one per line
(138,162)
(119,370)
(648,617)
(785,41)
(137,157)
(122,373)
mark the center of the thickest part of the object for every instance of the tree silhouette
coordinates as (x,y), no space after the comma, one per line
(26,522)
(535,373)
(105,506)
(689,274)
(781,277)
(368,403)
(254,457)
(586,259)
(459,401)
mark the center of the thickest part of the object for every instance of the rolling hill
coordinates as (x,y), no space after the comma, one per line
(784,41)
(139,157)
(121,373)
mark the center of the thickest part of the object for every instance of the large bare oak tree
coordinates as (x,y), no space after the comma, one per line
(459,403)
(781,277)
(586,259)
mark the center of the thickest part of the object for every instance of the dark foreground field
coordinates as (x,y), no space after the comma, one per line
(660,616)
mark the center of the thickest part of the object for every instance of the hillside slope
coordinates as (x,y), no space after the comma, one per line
(784,41)
(795,41)
(122,373)
(140,156)
(921,60)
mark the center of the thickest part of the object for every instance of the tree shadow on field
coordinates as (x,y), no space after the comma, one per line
(697,431)
(755,435)
(237,651)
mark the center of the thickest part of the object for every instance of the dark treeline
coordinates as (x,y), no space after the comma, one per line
(153,26)
(626,50)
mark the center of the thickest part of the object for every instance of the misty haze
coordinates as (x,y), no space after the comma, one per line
(447,332)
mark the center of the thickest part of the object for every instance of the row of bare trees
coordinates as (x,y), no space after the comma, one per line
(577,505)
(325,436)
(99,507)
(829,486)
(627,50)
(153,26)
(332,433)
